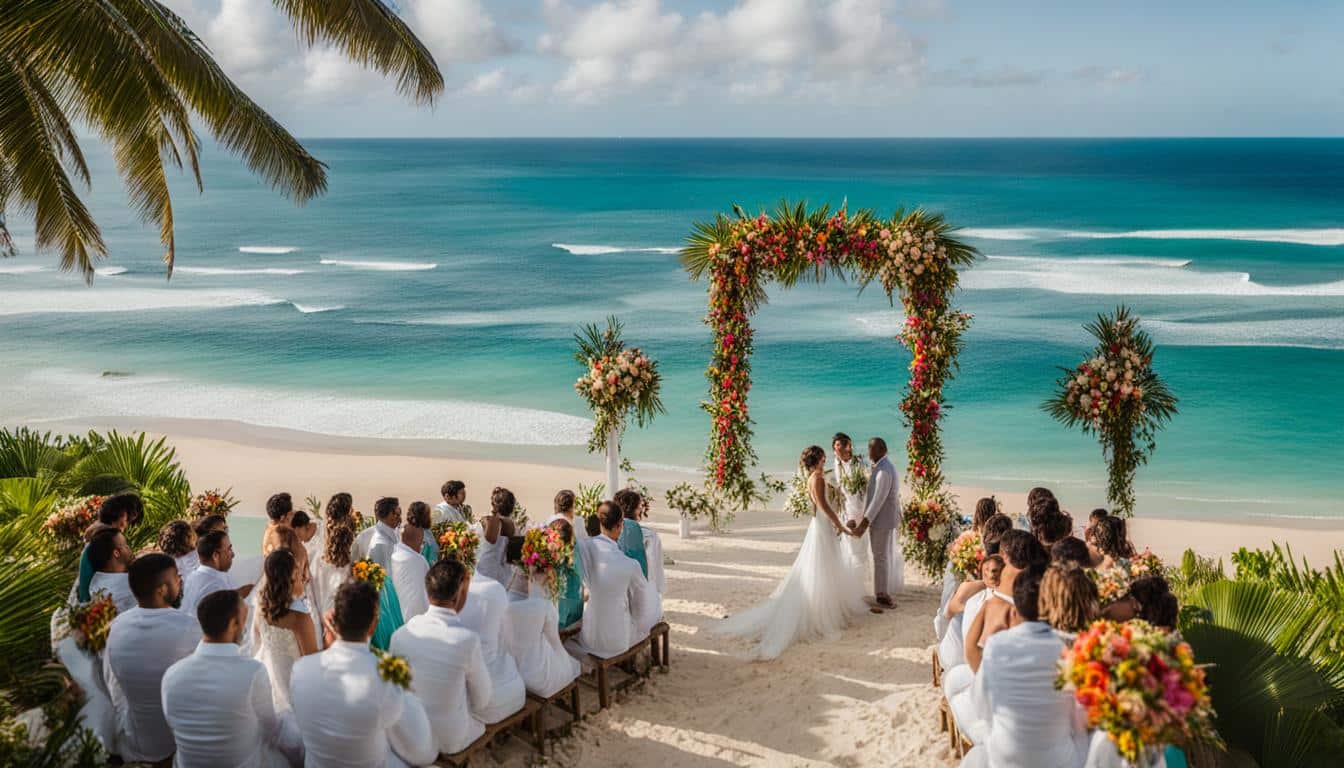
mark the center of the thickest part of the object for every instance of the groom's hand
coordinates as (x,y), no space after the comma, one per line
(852,525)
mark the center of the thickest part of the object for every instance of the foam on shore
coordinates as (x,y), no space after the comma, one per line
(77,301)
(1327,236)
(222,271)
(380,266)
(268,249)
(601,250)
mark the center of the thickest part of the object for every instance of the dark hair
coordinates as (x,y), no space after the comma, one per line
(992,533)
(210,544)
(592,525)
(1157,605)
(609,514)
(1036,494)
(418,515)
(299,520)
(1056,528)
(564,502)
(984,509)
(991,559)
(1022,550)
(1108,535)
(356,609)
(339,508)
(176,538)
(279,589)
(336,549)
(278,506)
(502,502)
(1068,598)
(841,438)
(1040,512)
(147,573)
(385,506)
(216,610)
(629,501)
(812,456)
(444,579)
(211,523)
(566,530)
(452,488)
(513,550)
(102,547)
(1070,549)
(119,505)
(1097,514)
(1027,591)
(877,445)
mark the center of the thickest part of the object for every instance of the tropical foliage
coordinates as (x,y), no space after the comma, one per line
(617,381)
(1116,395)
(134,73)
(911,255)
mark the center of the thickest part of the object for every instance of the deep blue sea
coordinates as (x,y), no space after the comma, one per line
(432,294)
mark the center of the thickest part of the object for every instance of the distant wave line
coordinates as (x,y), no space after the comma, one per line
(274,250)
(601,250)
(1329,236)
(238,271)
(381,266)
(1100,260)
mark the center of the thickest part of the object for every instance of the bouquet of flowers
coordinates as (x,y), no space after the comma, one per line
(394,669)
(368,570)
(545,554)
(90,622)
(799,501)
(616,381)
(930,525)
(966,553)
(855,480)
(212,502)
(1112,583)
(458,539)
(1140,685)
(1145,564)
(71,517)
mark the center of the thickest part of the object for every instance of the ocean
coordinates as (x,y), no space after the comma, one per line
(432,295)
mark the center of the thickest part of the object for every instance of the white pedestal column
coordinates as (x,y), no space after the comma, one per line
(613,463)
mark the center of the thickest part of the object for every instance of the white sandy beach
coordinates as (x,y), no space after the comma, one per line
(864,700)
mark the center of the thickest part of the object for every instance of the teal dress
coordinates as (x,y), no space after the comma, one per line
(430,550)
(570,605)
(85,576)
(632,544)
(389,607)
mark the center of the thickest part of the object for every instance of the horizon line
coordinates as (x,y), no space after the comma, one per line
(662,137)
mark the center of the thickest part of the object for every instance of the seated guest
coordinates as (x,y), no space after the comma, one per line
(332,568)
(616,588)
(349,716)
(1029,723)
(409,568)
(496,528)
(178,541)
(1092,520)
(564,510)
(1020,551)
(1071,549)
(304,526)
(118,511)
(214,552)
(632,534)
(992,535)
(285,627)
(217,701)
(532,635)
(1048,522)
(957,674)
(418,515)
(381,544)
(1108,542)
(110,557)
(485,614)
(141,644)
(453,507)
(279,512)
(210,523)
(1149,599)
(1068,600)
(570,604)
(592,527)
(952,581)
(448,670)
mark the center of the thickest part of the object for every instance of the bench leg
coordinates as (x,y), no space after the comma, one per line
(539,730)
(574,701)
(603,689)
(667,650)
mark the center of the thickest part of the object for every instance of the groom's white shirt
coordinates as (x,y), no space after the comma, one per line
(408,576)
(141,644)
(447,513)
(218,705)
(203,581)
(616,597)
(352,718)
(448,673)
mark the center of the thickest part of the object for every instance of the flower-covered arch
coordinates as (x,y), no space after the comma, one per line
(911,255)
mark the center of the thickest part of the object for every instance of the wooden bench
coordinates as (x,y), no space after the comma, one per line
(603,670)
(566,700)
(937,670)
(530,714)
(659,645)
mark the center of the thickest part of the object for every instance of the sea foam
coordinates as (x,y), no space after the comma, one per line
(67,301)
(220,271)
(20,269)
(313,309)
(1329,236)
(380,266)
(601,250)
(1080,277)
(269,249)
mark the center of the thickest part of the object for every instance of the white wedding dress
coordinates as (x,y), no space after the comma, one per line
(857,549)
(819,597)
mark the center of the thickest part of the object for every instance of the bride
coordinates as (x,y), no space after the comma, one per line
(820,595)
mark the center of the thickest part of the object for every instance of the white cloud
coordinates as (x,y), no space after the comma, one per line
(487,82)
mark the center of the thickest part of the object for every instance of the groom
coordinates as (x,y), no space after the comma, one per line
(882,513)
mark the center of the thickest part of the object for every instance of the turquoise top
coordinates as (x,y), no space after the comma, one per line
(430,549)
(85,576)
(389,615)
(570,604)
(632,544)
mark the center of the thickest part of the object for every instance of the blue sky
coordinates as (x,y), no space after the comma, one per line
(813,68)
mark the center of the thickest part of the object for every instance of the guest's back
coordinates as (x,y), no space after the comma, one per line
(615,587)
(1031,724)
(448,673)
(141,644)
(484,613)
(533,638)
(408,575)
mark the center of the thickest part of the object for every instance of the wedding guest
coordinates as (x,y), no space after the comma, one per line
(110,558)
(1028,723)
(992,533)
(592,527)
(141,644)
(1020,551)
(214,550)
(570,604)
(285,625)
(616,588)
(453,507)
(1068,599)
(564,510)
(304,526)
(349,716)
(1071,549)
(953,582)
(1149,599)
(211,523)
(409,567)
(178,541)
(448,670)
(381,544)
(1108,542)
(1092,519)
(1049,523)
(1038,494)
(485,614)
(340,510)
(532,636)
(217,701)
(632,535)
(496,528)
(279,511)
(957,673)
(420,516)
(118,511)
(332,568)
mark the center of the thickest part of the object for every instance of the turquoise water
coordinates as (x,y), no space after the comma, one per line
(1232,250)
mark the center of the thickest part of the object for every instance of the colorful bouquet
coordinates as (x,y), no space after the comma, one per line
(855,480)
(799,501)
(368,570)
(212,502)
(966,554)
(394,669)
(90,622)
(930,525)
(616,381)
(546,555)
(1138,684)
(1145,564)
(458,539)
(71,517)
(1112,583)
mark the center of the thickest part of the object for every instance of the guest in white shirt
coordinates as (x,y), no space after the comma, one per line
(218,701)
(564,510)
(532,635)
(178,541)
(453,507)
(484,614)
(448,670)
(349,716)
(332,569)
(111,557)
(408,572)
(214,551)
(617,591)
(387,513)
(141,644)
(1030,723)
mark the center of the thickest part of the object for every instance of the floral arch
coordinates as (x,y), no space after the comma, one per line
(912,255)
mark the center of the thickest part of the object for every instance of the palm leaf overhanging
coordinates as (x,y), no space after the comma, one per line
(134,72)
